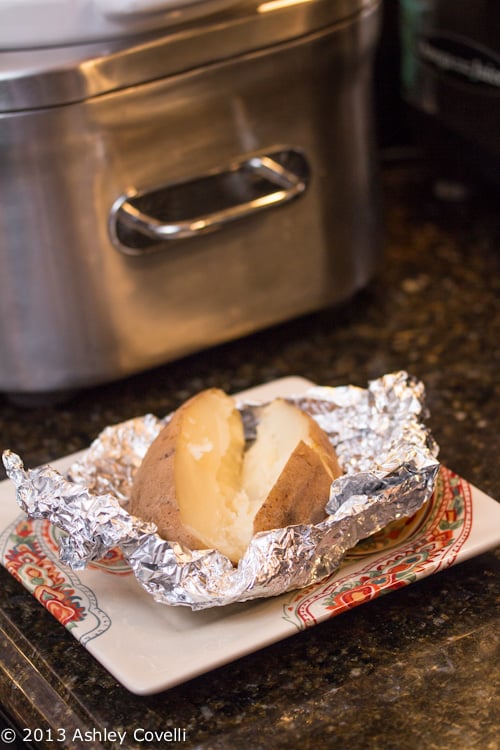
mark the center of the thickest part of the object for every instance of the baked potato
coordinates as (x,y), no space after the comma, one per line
(203,488)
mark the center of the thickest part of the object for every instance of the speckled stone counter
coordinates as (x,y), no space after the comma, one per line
(415,670)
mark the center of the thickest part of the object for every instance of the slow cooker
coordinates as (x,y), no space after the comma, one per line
(180,181)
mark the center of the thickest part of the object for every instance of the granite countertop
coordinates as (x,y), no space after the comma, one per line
(411,670)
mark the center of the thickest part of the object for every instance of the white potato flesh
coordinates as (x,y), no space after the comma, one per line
(281,428)
(219,487)
(203,489)
(208,467)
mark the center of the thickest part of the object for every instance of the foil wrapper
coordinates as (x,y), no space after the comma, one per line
(390,463)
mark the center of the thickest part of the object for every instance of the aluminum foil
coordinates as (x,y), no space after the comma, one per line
(390,464)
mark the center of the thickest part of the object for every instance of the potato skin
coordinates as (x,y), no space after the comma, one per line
(153,497)
(301,492)
(324,447)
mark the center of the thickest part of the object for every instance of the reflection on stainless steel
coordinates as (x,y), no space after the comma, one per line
(30,79)
(272,5)
(390,464)
(81,128)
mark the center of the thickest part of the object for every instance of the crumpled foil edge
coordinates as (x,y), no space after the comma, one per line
(390,464)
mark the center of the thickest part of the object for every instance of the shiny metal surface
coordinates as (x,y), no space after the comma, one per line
(26,24)
(285,186)
(60,75)
(74,311)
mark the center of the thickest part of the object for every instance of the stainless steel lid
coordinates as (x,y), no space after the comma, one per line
(31,79)
(30,24)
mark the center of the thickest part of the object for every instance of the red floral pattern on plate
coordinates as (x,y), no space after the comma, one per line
(414,548)
(27,562)
(30,554)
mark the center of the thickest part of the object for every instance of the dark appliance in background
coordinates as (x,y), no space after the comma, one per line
(394,134)
(450,82)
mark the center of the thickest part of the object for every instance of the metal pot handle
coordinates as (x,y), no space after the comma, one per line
(286,183)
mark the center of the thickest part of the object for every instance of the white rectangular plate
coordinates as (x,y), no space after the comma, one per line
(149,647)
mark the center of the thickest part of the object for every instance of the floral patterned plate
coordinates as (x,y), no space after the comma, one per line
(149,647)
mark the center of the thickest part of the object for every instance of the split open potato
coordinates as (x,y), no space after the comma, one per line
(203,488)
